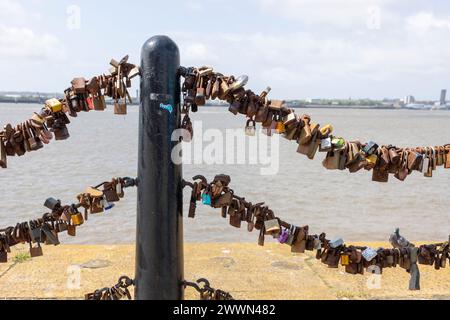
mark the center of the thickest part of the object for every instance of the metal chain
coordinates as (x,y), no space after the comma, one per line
(203,287)
(121,291)
(117,292)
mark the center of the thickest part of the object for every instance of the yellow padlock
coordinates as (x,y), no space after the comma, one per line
(280,128)
(372,160)
(54,104)
(345,260)
(77,219)
(327,130)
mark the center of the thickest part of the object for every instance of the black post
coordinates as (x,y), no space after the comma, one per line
(159,243)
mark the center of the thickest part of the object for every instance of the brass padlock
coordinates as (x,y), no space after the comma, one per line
(37,120)
(299,244)
(120,108)
(276,105)
(61,226)
(428,163)
(79,85)
(93,192)
(71,230)
(77,219)
(96,206)
(200,99)
(447,157)
(99,103)
(345,260)
(439,156)
(33,138)
(36,251)
(224,89)
(62,133)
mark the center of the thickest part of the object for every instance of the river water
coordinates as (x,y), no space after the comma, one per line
(103,145)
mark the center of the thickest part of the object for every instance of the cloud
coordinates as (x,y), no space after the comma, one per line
(309,64)
(11,8)
(18,40)
(333,13)
(423,22)
(25,43)
(12,12)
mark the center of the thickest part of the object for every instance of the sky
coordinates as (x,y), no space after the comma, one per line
(301,48)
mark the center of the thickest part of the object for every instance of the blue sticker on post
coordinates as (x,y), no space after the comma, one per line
(167,107)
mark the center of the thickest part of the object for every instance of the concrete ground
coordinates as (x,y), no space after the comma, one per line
(247,271)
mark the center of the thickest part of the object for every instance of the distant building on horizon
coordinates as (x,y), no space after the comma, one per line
(313,101)
(443,97)
(409,100)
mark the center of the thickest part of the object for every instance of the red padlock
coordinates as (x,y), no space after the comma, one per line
(90,103)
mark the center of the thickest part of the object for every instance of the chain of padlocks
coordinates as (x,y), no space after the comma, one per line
(355,259)
(120,291)
(199,86)
(203,84)
(218,194)
(62,218)
(82,96)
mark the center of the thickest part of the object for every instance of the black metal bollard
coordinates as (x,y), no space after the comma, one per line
(159,240)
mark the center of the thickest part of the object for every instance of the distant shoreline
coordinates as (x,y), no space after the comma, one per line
(336,107)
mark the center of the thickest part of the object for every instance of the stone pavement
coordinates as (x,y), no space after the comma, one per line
(246,270)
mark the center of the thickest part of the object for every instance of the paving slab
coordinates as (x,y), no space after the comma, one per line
(246,270)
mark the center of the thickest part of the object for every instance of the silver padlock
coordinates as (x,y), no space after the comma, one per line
(290,118)
(425,163)
(119,188)
(291,237)
(336,243)
(250,129)
(239,83)
(326,145)
(369,254)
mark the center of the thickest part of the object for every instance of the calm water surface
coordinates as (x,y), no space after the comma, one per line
(342,204)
